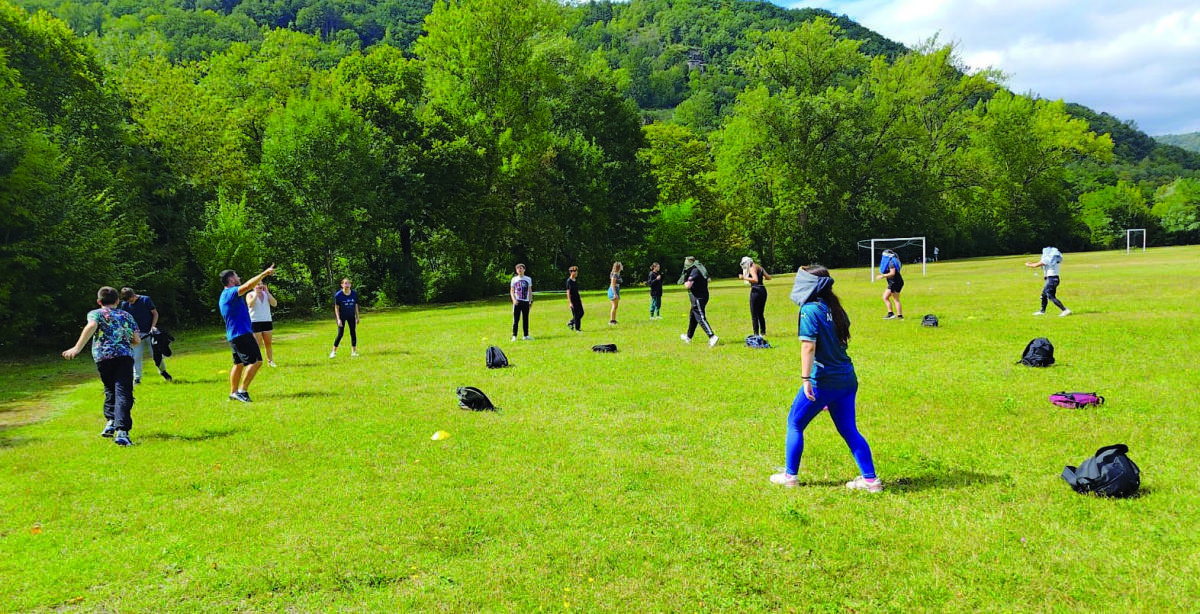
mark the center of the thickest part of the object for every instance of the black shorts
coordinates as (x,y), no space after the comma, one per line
(245,350)
(262,327)
(895,285)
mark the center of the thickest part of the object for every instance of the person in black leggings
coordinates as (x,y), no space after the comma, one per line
(755,275)
(345,309)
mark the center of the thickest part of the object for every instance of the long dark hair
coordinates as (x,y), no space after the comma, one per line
(841,321)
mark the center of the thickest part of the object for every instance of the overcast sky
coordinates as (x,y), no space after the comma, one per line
(1135,59)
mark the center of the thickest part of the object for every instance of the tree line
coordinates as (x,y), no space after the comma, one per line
(143,148)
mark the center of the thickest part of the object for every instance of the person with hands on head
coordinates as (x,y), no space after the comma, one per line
(827,376)
(345,311)
(113,334)
(260,303)
(655,281)
(247,358)
(754,275)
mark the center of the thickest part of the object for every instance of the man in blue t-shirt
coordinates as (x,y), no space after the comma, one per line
(145,314)
(247,358)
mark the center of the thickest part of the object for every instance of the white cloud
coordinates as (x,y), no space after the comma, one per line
(1136,60)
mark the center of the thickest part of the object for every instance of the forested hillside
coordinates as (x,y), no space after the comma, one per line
(1189,141)
(423,149)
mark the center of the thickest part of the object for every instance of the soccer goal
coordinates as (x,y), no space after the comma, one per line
(911,250)
(1130,243)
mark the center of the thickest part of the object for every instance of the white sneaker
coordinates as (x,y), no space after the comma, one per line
(514,338)
(1039,313)
(353,353)
(784,479)
(861,483)
(1065,313)
(271,363)
(528,338)
(333,354)
(684,338)
(712,341)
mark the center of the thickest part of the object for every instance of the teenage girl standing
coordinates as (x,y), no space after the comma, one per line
(755,275)
(345,309)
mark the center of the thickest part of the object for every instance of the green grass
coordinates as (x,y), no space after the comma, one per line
(634,481)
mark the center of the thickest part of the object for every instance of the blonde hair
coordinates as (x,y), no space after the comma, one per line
(618,267)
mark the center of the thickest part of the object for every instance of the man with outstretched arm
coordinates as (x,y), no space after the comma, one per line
(247,359)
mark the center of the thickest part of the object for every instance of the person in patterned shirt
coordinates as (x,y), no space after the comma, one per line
(113,334)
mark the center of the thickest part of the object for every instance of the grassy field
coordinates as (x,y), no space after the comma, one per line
(636,481)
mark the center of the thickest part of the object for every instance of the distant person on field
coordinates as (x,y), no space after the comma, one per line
(573,300)
(655,281)
(889,269)
(1050,263)
(935,254)
(520,290)
(146,315)
(614,291)
(260,303)
(828,378)
(247,359)
(345,312)
(695,279)
(113,334)
(755,275)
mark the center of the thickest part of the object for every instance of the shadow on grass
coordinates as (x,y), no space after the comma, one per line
(181,381)
(305,394)
(945,480)
(203,435)
(12,442)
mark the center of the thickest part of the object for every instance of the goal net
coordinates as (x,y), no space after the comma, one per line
(1131,235)
(910,250)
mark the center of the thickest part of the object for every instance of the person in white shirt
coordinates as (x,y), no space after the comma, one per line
(260,302)
(1050,263)
(520,289)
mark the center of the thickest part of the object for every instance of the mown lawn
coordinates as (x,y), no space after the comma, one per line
(637,481)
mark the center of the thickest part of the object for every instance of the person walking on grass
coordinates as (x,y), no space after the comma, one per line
(827,376)
(755,275)
(247,358)
(145,314)
(114,334)
(655,281)
(345,312)
(614,291)
(695,279)
(520,290)
(259,303)
(889,268)
(573,300)
(1050,263)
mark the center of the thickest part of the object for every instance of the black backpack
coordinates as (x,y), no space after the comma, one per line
(495,358)
(605,347)
(472,398)
(929,320)
(1110,473)
(1039,353)
(757,342)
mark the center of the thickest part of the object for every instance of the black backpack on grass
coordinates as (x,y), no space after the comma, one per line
(1110,473)
(472,398)
(605,348)
(929,320)
(1039,353)
(495,358)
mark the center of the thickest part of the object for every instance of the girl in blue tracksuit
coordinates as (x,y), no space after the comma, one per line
(828,377)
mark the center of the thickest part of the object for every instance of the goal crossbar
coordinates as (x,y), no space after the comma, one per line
(908,240)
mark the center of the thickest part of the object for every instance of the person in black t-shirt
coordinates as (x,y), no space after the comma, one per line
(573,300)
(146,315)
(695,279)
(655,281)
(345,310)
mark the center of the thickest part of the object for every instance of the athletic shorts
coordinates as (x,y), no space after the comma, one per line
(613,293)
(262,327)
(896,285)
(245,350)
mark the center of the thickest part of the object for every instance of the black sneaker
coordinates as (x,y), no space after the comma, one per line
(890,316)
(167,376)
(899,317)
(137,380)
(109,430)
(122,439)
(239,396)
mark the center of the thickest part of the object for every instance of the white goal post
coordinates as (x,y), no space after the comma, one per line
(902,242)
(1129,245)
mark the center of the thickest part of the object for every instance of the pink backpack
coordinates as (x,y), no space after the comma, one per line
(1076,400)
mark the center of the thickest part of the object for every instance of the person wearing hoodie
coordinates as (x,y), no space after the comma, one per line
(827,376)
(695,279)
(1050,263)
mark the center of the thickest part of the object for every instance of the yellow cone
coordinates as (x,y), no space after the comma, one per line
(440,435)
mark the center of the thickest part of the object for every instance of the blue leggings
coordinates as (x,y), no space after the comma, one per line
(841,409)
